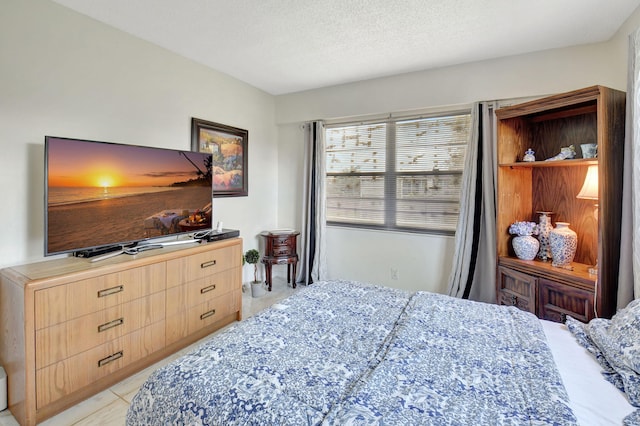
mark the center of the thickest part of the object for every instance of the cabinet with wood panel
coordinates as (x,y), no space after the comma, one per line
(590,115)
(71,328)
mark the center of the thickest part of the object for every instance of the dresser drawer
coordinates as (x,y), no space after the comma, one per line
(190,268)
(64,377)
(197,317)
(62,303)
(193,293)
(213,310)
(69,338)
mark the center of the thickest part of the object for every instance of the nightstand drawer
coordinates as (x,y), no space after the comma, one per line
(281,250)
(282,241)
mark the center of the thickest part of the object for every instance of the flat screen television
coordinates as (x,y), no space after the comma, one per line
(101,195)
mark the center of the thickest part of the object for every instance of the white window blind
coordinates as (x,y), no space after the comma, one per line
(397,174)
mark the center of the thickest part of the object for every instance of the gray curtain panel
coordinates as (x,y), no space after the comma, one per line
(473,274)
(312,236)
(629,277)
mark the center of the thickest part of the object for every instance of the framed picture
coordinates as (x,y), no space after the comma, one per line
(228,148)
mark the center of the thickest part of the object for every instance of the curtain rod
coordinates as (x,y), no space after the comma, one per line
(403,115)
(421,112)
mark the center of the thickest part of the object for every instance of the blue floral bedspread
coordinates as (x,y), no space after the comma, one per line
(342,353)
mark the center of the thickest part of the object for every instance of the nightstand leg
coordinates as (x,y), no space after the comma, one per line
(294,274)
(267,270)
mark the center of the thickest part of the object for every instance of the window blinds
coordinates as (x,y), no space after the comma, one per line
(397,174)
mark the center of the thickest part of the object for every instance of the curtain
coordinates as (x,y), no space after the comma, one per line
(312,236)
(473,274)
(629,277)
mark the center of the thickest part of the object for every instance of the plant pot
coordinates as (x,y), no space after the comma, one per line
(257,289)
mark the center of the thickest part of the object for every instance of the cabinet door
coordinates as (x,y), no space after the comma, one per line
(516,289)
(559,300)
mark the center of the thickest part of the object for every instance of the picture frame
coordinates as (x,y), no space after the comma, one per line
(228,147)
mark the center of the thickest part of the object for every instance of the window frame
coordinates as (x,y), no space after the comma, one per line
(391,175)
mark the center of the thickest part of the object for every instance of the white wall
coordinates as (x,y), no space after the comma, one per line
(64,74)
(423,262)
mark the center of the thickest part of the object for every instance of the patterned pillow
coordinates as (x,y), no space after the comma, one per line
(579,331)
(616,345)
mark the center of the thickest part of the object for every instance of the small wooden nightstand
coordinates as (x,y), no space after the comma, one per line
(280,249)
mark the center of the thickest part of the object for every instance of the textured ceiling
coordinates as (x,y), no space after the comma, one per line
(285,46)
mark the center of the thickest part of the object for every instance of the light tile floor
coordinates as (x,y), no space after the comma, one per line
(109,407)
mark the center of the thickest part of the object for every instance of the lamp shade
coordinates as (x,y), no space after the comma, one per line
(589,189)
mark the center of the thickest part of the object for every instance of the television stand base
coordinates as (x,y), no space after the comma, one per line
(98,251)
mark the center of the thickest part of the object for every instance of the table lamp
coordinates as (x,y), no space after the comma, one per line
(589,191)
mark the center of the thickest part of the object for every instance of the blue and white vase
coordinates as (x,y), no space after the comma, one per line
(564,243)
(545,227)
(525,246)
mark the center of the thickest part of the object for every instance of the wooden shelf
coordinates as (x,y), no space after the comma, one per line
(591,115)
(579,275)
(544,164)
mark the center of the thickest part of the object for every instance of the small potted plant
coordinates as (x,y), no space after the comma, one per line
(252,256)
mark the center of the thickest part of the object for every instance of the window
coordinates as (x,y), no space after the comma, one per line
(392,174)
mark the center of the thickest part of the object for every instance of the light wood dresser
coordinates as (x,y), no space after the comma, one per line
(71,328)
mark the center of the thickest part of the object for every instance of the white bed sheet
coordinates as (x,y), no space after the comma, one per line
(593,400)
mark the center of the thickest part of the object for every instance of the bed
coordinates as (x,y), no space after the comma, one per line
(343,352)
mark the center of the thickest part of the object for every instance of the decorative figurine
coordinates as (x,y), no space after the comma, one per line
(589,150)
(565,153)
(529,155)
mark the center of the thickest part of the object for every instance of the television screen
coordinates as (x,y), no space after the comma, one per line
(100,194)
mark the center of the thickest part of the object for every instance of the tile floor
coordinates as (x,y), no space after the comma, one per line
(109,407)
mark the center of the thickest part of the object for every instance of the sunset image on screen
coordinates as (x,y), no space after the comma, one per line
(101,193)
(81,164)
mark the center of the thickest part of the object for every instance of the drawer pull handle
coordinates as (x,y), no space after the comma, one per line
(207,314)
(514,300)
(207,264)
(207,289)
(110,324)
(110,358)
(109,291)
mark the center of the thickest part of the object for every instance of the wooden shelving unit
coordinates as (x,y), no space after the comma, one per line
(591,115)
